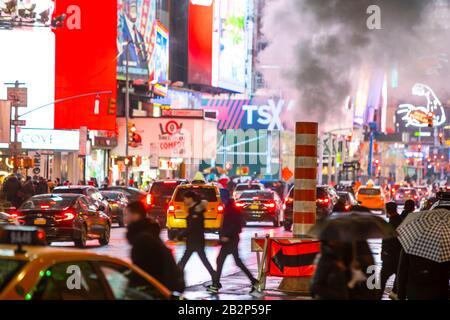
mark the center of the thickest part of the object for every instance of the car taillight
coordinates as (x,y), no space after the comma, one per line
(66,215)
(40,235)
(288,200)
(149,199)
(270,204)
(324,201)
(347,207)
(171,209)
(239,204)
(416,197)
(220,208)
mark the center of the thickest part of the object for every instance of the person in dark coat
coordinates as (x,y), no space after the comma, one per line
(410,206)
(195,231)
(232,225)
(332,274)
(390,249)
(42,186)
(27,190)
(148,251)
(422,279)
(11,188)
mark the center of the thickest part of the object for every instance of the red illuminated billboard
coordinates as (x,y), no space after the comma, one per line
(86,50)
(200,41)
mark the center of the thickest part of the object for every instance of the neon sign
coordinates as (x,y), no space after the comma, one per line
(417,116)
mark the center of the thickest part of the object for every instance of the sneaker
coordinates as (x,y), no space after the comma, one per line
(212,289)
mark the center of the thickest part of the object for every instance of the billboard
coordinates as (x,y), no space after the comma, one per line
(159,63)
(232,47)
(85,54)
(136,25)
(54,64)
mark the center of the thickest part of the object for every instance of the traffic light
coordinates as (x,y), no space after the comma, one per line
(430,117)
(133,137)
(441,138)
(128,161)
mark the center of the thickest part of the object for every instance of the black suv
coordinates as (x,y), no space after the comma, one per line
(325,202)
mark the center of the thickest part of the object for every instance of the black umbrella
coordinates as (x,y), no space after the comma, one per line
(353,227)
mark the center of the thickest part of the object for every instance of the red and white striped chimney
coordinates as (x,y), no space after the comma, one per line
(305,177)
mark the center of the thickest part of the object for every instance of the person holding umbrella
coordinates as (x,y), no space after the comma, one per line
(424,266)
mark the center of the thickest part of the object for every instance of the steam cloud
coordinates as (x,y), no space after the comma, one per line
(321,47)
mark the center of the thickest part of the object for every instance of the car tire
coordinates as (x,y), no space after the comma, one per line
(104,239)
(82,240)
(172,234)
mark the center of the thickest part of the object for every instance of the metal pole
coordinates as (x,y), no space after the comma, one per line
(127,108)
(369,167)
(320,168)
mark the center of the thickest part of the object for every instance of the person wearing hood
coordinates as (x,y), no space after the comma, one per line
(148,251)
(232,225)
(195,231)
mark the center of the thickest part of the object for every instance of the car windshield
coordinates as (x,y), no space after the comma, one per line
(369,191)
(208,194)
(111,195)
(163,188)
(251,195)
(248,187)
(54,202)
(8,268)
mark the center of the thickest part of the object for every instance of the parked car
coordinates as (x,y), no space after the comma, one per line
(66,217)
(442,201)
(260,206)
(117,202)
(159,197)
(241,187)
(404,194)
(326,199)
(89,191)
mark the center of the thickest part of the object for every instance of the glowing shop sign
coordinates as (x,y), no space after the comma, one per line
(417,116)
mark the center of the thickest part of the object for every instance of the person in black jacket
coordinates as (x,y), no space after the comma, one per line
(422,279)
(195,231)
(332,273)
(148,251)
(410,206)
(390,250)
(229,237)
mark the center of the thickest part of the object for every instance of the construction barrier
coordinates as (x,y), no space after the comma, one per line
(306,139)
(284,257)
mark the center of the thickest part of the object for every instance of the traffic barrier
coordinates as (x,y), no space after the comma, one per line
(289,258)
(304,213)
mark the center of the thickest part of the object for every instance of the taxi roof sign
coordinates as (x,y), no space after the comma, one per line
(21,236)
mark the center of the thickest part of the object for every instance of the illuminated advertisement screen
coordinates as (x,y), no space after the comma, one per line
(232,45)
(136,23)
(28,55)
(159,63)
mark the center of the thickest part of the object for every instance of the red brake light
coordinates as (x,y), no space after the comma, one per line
(270,204)
(239,204)
(220,208)
(67,215)
(416,197)
(288,200)
(324,201)
(45,206)
(169,182)
(347,207)
(171,209)
(40,234)
(149,199)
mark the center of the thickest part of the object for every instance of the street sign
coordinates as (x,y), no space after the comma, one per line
(19,123)
(18,96)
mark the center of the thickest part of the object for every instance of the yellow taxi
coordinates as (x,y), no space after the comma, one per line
(371,196)
(32,272)
(177,212)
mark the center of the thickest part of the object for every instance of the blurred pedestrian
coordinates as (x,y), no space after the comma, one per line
(11,188)
(57,182)
(232,225)
(410,206)
(42,186)
(422,279)
(390,251)
(195,231)
(27,190)
(148,251)
(332,274)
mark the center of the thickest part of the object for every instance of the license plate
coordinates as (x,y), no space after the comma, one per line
(40,221)
(254,207)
